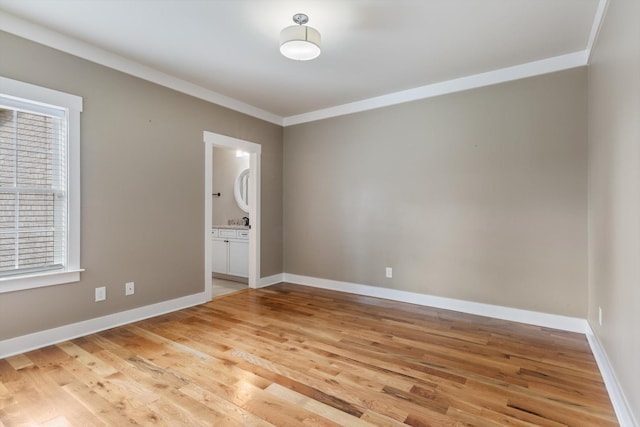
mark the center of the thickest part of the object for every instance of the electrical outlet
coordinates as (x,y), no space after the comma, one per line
(101,293)
(389,272)
(129,288)
(600,315)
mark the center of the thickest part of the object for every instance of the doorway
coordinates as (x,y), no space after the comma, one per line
(254,150)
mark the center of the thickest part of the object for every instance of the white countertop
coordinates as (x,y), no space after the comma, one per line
(232,227)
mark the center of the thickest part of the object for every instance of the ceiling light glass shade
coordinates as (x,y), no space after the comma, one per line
(300,42)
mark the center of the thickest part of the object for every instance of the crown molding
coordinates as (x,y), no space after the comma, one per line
(601,11)
(544,66)
(28,30)
(53,39)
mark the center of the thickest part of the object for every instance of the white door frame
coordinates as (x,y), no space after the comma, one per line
(216,140)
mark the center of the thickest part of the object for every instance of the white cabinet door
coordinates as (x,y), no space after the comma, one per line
(239,258)
(219,255)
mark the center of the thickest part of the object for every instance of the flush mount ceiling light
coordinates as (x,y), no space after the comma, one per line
(300,42)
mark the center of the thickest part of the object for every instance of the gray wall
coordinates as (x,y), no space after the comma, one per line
(479,195)
(226,168)
(142,189)
(614,193)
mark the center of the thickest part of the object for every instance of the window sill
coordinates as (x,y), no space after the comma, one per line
(12,284)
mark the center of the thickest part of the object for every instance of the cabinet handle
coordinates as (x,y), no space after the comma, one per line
(226,241)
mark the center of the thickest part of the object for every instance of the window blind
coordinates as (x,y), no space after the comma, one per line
(33,199)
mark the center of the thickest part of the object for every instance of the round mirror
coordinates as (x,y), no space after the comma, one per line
(241,190)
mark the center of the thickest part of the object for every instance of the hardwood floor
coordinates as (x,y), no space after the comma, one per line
(290,355)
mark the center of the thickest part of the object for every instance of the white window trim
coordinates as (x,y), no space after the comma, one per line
(73,105)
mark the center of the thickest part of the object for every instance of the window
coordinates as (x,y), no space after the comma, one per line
(39,186)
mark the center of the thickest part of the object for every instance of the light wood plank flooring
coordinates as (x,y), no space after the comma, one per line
(221,287)
(290,355)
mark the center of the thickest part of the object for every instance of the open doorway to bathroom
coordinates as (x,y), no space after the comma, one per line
(230,221)
(232,214)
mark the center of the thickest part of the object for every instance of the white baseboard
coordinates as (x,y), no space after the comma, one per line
(565,323)
(271,280)
(41,339)
(618,400)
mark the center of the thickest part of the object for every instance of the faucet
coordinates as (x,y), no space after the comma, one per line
(246,220)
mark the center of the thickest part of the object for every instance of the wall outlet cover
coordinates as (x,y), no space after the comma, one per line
(101,293)
(600,316)
(129,288)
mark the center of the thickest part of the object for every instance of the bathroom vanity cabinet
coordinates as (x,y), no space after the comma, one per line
(230,251)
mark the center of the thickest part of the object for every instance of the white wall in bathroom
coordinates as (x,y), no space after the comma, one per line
(226,167)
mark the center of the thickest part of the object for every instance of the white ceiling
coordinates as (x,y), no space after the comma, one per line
(228,49)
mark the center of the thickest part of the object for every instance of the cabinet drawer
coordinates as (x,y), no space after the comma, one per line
(215,232)
(227,233)
(243,234)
